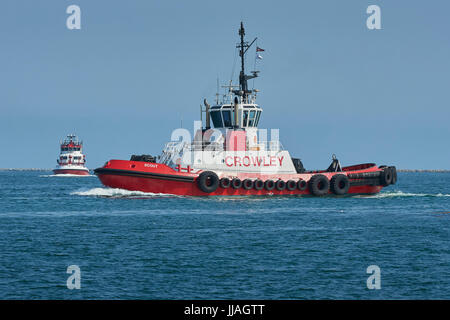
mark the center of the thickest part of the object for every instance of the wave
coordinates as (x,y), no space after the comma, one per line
(394,194)
(24,169)
(65,175)
(122,193)
(118,193)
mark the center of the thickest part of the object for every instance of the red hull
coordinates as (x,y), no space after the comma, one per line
(71,171)
(159,178)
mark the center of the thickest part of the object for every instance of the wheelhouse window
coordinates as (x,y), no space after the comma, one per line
(216,119)
(258,113)
(226,118)
(251,121)
(244,123)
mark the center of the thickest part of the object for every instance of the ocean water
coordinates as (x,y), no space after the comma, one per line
(133,245)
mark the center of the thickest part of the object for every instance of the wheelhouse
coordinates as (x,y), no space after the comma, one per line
(222,116)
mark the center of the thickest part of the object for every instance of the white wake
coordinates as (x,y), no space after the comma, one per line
(118,193)
(393,194)
(65,176)
(122,193)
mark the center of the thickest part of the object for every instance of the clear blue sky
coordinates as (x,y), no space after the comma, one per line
(124,81)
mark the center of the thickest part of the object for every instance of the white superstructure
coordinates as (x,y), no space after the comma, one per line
(71,158)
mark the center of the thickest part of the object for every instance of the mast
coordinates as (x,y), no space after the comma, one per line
(243,46)
(242,80)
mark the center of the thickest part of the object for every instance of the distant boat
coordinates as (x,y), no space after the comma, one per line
(71,158)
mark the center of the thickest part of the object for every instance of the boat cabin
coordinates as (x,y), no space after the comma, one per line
(223,116)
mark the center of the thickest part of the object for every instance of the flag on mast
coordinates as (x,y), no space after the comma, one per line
(258,49)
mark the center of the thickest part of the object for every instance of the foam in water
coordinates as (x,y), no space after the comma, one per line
(122,193)
(65,175)
(393,194)
(117,193)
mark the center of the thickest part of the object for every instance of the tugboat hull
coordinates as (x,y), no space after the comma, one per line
(161,179)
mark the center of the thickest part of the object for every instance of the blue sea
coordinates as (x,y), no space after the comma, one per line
(133,245)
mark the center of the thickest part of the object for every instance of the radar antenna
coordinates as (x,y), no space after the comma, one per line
(243,46)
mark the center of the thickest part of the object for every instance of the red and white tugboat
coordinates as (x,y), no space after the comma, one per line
(236,158)
(71,159)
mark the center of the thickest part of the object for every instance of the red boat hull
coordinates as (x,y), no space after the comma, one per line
(77,172)
(159,178)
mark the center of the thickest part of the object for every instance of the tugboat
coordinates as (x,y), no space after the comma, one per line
(71,159)
(236,158)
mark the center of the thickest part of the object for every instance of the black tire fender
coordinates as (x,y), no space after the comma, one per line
(236,183)
(259,184)
(280,185)
(386,176)
(208,181)
(319,185)
(291,185)
(225,183)
(339,184)
(302,185)
(247,184)
(394,175)
(269,185)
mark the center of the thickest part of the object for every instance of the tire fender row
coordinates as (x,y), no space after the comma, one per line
(318,185)
(385,177)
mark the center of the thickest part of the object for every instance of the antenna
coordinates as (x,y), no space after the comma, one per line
(217,92)
(243,78)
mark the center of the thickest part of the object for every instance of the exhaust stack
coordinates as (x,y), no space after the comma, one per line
(208,120)
(236,118)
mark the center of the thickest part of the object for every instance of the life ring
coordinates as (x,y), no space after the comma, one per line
(302,185)
(269,185)
(247,184)
(291,185)
(225,183)
(280,185)
(208,181)
(386,176)
(259,184)
(236,183)
(319,185)
(339,184)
